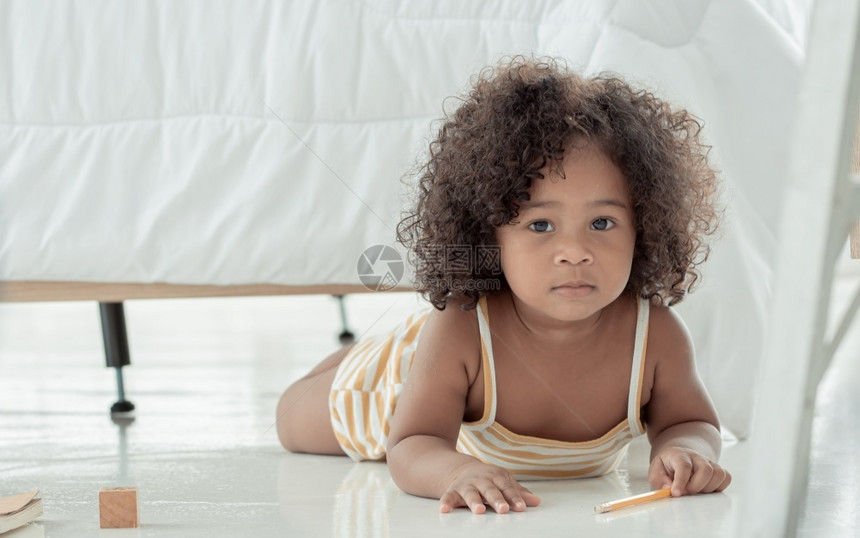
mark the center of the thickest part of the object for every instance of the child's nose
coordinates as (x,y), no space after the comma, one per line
(574,248)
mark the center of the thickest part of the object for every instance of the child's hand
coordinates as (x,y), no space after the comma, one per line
(477,483)
(687,471)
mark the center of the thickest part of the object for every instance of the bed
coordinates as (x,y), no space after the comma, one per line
(167,149)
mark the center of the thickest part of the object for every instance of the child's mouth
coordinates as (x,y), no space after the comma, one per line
(573,290)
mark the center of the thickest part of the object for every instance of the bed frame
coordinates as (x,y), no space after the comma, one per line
(31,291)
(111,296)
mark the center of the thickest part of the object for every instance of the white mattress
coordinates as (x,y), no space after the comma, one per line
(263,142)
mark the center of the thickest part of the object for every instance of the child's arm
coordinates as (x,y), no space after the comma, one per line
(682,424)
(422,455)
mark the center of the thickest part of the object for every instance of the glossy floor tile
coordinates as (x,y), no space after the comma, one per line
(202,451)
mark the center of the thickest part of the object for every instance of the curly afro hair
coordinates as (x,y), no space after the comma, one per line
(515,125)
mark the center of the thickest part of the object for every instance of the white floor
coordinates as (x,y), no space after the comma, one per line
(203,454)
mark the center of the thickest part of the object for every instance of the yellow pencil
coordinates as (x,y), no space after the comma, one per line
(633,501)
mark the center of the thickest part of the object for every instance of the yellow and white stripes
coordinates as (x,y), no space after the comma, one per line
(366,387)
(532,457)
(370,379)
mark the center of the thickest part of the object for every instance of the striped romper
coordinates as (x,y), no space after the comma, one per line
(371,376)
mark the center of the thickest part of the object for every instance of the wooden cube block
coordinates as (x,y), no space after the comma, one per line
(117,508)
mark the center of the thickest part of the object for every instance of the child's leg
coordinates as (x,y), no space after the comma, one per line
(303,419)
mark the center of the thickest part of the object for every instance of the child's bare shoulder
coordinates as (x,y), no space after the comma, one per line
(669,340)
(452,334)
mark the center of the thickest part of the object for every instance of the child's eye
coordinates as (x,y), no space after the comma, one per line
(602,224)
(541,226)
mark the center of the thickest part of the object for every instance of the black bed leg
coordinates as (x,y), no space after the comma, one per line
(345,336)
(116,350)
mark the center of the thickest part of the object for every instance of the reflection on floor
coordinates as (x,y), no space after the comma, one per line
(205,376)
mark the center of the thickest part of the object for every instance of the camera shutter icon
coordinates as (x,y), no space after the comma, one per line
(380,267)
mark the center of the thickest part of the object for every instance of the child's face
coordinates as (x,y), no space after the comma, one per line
(569,252)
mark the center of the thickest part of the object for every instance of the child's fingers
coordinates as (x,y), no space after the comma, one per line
(719,481)
(530,498)
(449,501)
(658,476)
(471,499)
(520,498)
(687,473)
(503,497)
(703,473)
(515,494)
(681,469)
(726,481)
(708,477)
(486,484)
(474,499)
(496,499)
(514,497)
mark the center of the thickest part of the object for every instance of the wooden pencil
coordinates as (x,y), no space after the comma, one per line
(633,501)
